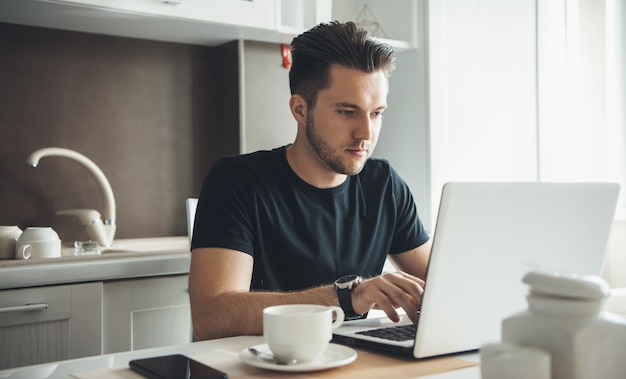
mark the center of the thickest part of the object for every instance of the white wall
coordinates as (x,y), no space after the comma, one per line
(403,138)
(466,111)
(525,93)
(266,120)
(483,93)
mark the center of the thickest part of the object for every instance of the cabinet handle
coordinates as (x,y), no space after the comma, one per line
(31,307)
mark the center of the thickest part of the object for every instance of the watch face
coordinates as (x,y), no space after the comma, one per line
(346,279)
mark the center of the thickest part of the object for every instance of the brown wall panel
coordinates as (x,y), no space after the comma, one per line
(145,112)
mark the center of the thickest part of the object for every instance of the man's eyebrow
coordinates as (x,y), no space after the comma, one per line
(344,104)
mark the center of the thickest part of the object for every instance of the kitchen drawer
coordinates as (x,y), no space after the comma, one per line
(46,324)
(31,305)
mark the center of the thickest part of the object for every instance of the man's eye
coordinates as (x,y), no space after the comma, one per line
(345,112)
(377,114)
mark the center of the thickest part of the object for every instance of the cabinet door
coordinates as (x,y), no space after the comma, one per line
(250,13)
(47,324)
(146,313)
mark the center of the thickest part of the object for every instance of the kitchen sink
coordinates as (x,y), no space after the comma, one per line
(138,245)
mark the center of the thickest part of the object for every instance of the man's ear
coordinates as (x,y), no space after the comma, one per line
(298,107)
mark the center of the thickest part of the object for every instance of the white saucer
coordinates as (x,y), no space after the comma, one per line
(334,356)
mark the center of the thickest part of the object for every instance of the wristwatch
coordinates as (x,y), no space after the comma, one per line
(344,287)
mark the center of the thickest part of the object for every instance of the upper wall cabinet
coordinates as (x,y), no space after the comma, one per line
(186,21)
(250,13)
(213,22)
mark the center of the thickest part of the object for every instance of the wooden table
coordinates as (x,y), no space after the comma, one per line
(224,355)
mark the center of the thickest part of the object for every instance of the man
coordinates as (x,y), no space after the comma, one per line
(277,227)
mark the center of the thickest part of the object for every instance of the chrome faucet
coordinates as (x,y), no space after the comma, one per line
(98,230)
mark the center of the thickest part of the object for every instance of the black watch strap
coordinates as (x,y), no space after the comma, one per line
(345,302)
(344,287)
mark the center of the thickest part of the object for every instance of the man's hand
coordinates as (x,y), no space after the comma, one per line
(389,292)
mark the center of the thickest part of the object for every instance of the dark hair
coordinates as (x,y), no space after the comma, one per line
(316,50)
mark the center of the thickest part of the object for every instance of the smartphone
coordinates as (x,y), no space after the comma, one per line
(175,366)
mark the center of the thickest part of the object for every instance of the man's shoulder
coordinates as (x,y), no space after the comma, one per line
(379,172)
(257,160)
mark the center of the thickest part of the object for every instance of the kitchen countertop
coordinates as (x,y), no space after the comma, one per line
(128,258)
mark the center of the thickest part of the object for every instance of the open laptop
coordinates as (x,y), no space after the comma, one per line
(488,235)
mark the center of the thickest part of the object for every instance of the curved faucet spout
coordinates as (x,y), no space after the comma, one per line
(105,186)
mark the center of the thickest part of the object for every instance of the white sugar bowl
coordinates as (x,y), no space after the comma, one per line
(565,318)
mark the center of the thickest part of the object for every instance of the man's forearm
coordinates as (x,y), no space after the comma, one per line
(241,313)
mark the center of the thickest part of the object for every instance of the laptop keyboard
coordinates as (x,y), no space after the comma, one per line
(393,333)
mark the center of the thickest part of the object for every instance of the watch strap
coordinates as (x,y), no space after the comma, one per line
(345,302)
(344,294)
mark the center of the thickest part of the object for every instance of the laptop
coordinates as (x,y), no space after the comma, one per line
(487,236)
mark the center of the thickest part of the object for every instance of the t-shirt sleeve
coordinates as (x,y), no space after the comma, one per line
(222,215)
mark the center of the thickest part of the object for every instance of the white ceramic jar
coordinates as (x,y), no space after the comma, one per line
(565,318)
(8,239)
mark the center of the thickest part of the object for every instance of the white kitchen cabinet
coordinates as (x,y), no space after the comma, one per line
(215,22)
(46,324)
(144,313)
(80,305)
(192,21)
(250,13)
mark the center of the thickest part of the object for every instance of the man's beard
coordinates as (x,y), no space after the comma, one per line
(324,151)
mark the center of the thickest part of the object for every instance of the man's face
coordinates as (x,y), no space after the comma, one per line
(343,128)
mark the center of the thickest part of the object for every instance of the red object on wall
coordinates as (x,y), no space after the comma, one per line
(285,51)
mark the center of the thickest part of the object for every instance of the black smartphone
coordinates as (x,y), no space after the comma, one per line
(175,366)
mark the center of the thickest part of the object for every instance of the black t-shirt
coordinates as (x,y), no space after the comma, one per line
(301,236)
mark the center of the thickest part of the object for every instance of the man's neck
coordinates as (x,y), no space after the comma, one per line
(311,169)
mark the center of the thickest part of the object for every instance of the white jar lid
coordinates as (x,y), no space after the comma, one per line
(569,285)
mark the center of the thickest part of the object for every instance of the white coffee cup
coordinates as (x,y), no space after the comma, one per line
(8,240)
(300,331)
(38,243)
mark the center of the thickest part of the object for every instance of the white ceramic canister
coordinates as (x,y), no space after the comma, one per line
(566,319)
(8,239)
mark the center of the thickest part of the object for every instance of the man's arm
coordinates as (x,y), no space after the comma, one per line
(413,261)
(221,302)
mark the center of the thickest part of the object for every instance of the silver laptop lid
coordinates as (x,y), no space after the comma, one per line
(487,236)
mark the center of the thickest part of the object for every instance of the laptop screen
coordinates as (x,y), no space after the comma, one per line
(488,235)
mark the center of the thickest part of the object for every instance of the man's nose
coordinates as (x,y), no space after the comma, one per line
(364,128)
